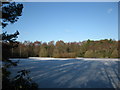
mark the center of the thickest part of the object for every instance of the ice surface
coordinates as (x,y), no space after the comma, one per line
(71,73)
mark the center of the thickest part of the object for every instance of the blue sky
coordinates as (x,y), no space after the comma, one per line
(67,21)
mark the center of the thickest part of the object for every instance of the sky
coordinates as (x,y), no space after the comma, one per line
(67,21)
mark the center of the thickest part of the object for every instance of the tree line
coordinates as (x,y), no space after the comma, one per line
(106,48)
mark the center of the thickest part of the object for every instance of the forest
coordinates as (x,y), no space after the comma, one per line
(106,48)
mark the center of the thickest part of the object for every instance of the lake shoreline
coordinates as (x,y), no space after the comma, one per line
(46,58)
(77,58)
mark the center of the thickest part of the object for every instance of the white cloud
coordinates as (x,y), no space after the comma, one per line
(109,10)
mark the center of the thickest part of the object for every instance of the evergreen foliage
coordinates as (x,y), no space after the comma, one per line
(10,14)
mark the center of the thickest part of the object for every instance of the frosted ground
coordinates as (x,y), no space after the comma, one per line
(71,73)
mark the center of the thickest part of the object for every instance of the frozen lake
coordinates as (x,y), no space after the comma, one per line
(71,73)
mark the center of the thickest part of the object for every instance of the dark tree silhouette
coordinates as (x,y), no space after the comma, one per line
(10,14)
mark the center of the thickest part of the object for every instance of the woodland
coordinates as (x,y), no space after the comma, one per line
(106,48)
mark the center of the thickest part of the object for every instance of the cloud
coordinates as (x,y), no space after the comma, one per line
(109,10)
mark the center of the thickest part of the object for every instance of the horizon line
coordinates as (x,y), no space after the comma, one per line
(69,41)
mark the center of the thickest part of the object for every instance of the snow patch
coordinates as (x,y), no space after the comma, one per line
(46,58)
